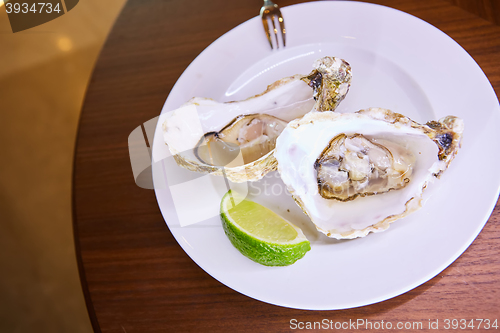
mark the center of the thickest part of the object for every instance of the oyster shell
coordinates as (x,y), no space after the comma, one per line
(204,135)
(355,173)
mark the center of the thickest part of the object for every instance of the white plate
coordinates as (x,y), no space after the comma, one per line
(398,62)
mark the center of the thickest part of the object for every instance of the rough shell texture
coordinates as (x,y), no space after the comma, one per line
(303,140)
(287,99)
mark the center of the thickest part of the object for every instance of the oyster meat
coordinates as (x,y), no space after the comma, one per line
(204,135)
(355,173)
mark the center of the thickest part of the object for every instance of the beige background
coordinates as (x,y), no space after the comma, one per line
(44,72)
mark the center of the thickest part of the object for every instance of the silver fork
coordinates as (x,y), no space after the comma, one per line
(271,10)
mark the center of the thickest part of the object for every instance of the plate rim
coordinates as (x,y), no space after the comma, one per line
(374,300)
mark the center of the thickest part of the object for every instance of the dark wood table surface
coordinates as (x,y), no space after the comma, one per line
(135,276)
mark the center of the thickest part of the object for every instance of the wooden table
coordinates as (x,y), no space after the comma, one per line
(135,276)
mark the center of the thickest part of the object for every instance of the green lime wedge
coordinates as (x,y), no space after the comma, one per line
(260,234)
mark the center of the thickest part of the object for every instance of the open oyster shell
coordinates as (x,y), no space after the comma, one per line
(355,173)
(238,138)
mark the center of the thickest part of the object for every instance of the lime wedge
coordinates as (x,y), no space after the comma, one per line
(260,234)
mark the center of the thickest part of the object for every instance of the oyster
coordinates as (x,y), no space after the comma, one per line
(355,173)
(254,135)
(204,135)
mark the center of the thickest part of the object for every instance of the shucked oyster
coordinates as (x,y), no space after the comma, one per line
(355,173)
(204,135)
(357,165)
(254,135)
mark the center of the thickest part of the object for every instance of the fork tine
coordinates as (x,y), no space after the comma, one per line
(275,31)
(272,12)
(266,28)
(282,26)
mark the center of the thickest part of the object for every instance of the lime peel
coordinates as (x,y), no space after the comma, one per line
(260,234)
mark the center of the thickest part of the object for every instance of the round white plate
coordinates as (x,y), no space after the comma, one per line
(398,62)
